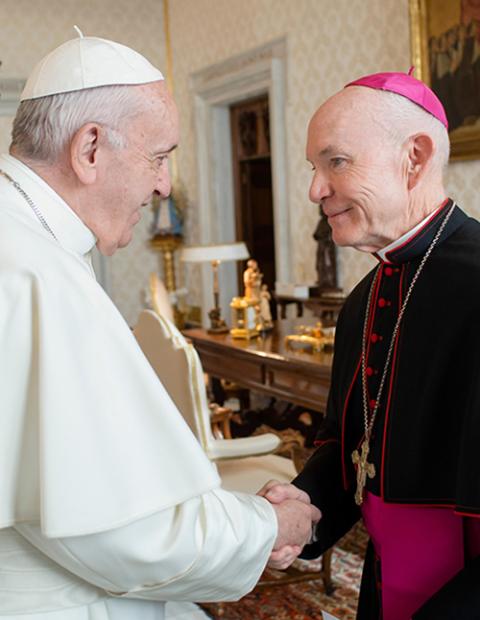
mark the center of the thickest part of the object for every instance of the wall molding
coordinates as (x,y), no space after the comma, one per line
(258,71)
(10,90)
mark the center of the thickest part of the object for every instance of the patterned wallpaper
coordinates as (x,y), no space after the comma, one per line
(328,43)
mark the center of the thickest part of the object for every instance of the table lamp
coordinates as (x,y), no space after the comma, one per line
(215,254)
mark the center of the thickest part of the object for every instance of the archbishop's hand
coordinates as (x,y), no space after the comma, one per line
(296,517)
(277,492)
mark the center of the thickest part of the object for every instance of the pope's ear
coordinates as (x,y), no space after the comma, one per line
(84,152)
(420,153)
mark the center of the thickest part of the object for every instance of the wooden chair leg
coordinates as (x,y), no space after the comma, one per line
(327,572)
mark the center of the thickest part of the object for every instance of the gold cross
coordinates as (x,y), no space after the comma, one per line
(364,469)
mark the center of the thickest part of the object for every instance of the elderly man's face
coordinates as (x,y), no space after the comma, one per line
(358,174)
(133,173)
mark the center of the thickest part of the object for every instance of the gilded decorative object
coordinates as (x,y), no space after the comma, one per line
(252,280)
(244,318)
(444,38)
(167,245)
(314,338)
(215,254)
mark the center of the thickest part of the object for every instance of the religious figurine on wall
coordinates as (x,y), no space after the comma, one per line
(266,322)
(167,217)
(252,280)
(326,260)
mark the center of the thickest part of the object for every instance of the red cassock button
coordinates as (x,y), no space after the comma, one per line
(369,371)
(388,271)
(373,402)
(373,337)
(382,302)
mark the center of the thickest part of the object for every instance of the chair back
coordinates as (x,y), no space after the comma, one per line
(179,369)
(159,297)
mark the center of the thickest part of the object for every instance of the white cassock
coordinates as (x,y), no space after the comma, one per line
(108,505)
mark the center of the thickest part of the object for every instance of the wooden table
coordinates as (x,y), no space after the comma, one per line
(266,365)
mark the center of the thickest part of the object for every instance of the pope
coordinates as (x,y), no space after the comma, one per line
(108,506)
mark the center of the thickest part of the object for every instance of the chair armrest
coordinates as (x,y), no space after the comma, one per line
(294,449)
(243,446)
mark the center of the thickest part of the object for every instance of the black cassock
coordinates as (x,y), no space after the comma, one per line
(426,439)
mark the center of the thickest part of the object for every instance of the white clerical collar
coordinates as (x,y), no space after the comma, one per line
(404,239)
(69,229)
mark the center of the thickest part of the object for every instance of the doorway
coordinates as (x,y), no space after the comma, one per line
(216,89)
(252,172)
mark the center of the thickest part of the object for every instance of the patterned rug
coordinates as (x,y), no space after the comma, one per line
(306,600)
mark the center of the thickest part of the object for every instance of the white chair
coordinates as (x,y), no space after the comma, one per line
(159,297)
(179,368)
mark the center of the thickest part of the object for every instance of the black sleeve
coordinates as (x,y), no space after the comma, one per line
(459,599)
(321,478)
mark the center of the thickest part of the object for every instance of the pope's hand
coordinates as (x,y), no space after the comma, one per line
(296,517)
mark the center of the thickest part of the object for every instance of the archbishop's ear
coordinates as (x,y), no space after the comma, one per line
(84,152)
(420,153)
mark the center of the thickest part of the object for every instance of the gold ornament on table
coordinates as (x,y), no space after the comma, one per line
(313,339)
(246,318)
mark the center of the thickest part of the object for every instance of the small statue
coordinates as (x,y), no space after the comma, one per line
(252,280)
(326,256)
(167,215)
(266,322)
(218,324)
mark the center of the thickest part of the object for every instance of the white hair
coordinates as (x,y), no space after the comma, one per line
(43,127)
(401,118)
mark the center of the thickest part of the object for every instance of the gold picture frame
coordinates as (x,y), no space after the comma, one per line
(445,48)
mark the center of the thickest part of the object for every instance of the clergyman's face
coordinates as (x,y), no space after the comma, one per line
(137,170)
(358,176)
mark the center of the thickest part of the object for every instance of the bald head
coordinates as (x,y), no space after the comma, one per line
(384,116)
(377,159)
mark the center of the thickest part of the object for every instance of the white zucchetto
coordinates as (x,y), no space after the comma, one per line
(87,62)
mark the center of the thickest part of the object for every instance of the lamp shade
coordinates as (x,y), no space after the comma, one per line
(207,253)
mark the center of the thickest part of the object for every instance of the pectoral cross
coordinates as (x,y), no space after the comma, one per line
(364,469)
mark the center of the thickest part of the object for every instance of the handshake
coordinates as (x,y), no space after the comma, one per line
(296,518)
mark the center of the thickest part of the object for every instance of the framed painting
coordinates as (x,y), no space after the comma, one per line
(445,44)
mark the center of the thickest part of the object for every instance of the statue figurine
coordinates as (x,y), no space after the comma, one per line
(326,256)
(252,280)
(266,322)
